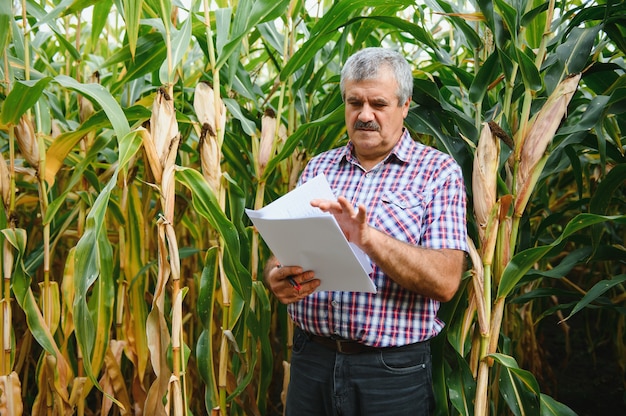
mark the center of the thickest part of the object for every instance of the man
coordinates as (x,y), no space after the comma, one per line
(365,353)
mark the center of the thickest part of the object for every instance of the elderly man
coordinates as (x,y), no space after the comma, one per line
(403,204)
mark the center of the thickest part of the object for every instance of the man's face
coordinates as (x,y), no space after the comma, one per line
(374,117)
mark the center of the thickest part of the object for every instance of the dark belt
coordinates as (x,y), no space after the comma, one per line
(344,346)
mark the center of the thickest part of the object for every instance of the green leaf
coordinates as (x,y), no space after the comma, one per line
(48,18)
(150,54)
(601,198)
(530,73)
(180,45)
(535,22)
(571,56)
(523,261)
(92,250)
(206,204)
(22,97)
(20,283)
(328,27)
(293,140)
(462,387)
(98,94)
(6,14)
(249,14)
(509,15)
(518,387)
(132,15)
(550,407)
(485,76)
(595,292)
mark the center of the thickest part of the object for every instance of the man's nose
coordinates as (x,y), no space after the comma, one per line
(366,114)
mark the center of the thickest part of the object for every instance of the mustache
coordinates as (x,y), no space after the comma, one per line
(370,125)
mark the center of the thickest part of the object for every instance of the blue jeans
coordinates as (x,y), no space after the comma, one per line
(390,381)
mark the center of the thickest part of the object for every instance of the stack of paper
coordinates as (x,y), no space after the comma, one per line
(301,235)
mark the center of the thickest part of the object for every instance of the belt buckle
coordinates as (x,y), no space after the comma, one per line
(338,343)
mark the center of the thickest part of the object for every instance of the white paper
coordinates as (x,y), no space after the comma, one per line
(301,235)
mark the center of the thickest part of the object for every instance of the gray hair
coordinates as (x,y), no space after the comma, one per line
(365,64)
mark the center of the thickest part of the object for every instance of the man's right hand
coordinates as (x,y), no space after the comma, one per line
(289,283)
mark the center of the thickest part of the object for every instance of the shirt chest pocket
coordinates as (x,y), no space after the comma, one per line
(401,215)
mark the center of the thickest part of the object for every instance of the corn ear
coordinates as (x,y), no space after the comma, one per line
(209,113)
(268,138)
(5,183)
(210,158)
(541,131)
(163,124)
(204,106)
(27,141)
(151,154)
(298,159)
(484,176)
(11,395)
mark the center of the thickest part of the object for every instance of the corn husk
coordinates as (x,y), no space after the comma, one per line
(208,112)
(485,176)
(163,124)
(11,395)
(204,106)
(210,160)
(85,108)
(27,141)
(5,183)
(541,131)
(268,138)
(298,160)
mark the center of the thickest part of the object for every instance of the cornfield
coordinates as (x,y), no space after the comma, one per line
(133,133)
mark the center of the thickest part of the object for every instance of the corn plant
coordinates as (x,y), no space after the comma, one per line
(133,134)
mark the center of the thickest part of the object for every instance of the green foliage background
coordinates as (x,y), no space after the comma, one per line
(85,266)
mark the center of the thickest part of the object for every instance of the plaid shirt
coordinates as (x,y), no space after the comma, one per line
(416,195)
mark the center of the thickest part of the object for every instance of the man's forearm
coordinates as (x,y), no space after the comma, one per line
(434,273)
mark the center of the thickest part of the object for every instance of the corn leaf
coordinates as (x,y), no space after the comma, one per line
(206,204)
(595,292)
(523,261)
(487,72)
(530,73)
(571,57)
(204,346)
(518,387)
(98,94)
(137,278)
(101,302)
(150,53)
(6,15)
(99,16)
(91,251)
(132,15)
(550,407)
(327,28)
(20,283)
(614,180)
(22,97)
(462,388)
(180,44)
(249,14)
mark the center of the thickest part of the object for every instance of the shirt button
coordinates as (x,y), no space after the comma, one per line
(335,304)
